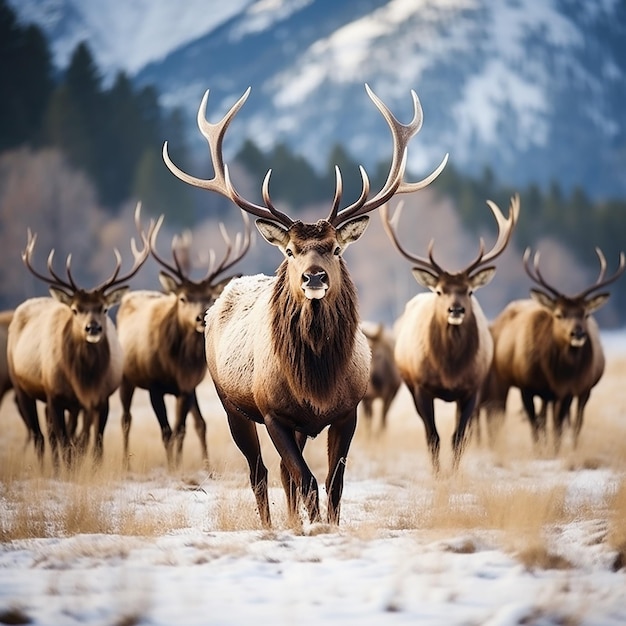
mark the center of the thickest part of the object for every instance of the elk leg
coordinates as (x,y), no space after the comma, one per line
(158,404)
(27,408)
(55,413)
(284,440)
(290,487)
(127,389)
(183,404)
(560,414)
(465,410)
(200,426)
(103,416)
(246,438)
(581,402)
(339,438)
(424,403)
(537,424)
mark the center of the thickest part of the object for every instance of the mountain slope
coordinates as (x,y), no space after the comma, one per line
(533,89)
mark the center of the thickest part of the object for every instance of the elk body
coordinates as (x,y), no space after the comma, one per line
(384,380)
(286,351)
(63,350)
(443,343)
(549,347)
(162,335)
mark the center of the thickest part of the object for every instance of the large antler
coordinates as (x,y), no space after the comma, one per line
(505,231)
(535,274)
(221,183)
(70,284)
(238,249)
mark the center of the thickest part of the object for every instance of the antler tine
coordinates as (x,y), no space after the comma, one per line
(242,245)
(390,225)
(535,274)
(505,231)
(27,255)
(601,281)
(401,135)
(175,270)
(139,256)
(221,183)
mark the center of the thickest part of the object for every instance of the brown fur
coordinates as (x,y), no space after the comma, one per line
(5,380)
(50,360)
(533,353)
(384,381)
(293,364)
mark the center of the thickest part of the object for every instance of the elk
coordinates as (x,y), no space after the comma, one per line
(286,351)
(549,347)
(63,350)
(5,380)
(443,344)
(162,335)
(384,380)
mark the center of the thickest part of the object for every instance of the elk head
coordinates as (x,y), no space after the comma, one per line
(313,252)
(89,306)
(194,297)
(454,289)
(570,313)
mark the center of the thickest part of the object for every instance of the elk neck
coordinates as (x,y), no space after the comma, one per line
(314,339)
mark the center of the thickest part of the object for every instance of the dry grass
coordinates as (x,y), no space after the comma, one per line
(500,490)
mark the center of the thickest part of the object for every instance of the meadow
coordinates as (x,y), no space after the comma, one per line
(517,536)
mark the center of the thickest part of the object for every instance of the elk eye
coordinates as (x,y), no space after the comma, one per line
(74,310)
(183,299)
(438,292)
(289,252)
(558,315)
(337,251)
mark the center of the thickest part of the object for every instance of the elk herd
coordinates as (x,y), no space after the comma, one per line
(289,352)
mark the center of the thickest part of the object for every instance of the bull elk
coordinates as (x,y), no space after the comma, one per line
(443,344)
(286,351)
(384,381)
(162,335)
(549,347)
(63,350)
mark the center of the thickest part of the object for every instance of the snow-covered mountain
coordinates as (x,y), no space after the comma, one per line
(532,88)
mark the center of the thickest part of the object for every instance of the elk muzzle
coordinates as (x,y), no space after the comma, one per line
(456,314)
(315,284)
(577,337)
(93,332)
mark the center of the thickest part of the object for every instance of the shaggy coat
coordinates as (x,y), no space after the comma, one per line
(385,380)
(534,352)
(51,360)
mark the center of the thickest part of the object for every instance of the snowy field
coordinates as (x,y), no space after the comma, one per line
(517,536)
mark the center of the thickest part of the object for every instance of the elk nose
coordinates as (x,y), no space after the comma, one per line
(578,336)
(93,328)
(457,310)
(315,280)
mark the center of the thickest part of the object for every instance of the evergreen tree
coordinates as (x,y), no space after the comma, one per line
(25,80)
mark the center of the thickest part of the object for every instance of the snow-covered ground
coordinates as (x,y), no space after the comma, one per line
(516,537)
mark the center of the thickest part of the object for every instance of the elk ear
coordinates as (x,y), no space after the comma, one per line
(113,297)
(543,298)
(273,233)
(60,295)
(352,230)
(425,278)
(482,277)
(593,304)
(168,283)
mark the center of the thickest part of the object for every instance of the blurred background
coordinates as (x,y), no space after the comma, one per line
(527,96)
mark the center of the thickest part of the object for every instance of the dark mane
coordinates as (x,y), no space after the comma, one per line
(461,341)
(314,340)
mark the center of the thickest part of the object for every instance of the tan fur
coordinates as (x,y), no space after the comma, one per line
(49,360)
(384,381)
(533,353)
